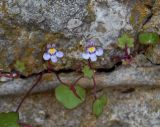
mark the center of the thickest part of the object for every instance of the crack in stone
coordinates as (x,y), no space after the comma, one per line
(64,71)
(152,62)
(149,17)
(121,77)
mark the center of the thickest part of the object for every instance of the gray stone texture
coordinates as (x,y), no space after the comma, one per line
(27,26)
(125,108)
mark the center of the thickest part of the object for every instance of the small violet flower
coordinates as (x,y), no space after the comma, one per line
(91,51)
(52,53)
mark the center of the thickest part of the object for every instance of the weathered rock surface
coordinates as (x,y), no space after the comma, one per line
(46,14)
(124,76)
(136,108)
(27,26)
(153,24)
(154,54)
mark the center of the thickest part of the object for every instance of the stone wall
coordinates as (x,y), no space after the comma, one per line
(27,26)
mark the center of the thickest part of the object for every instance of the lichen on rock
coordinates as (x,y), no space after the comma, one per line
(153,24)
(27,26)
(139,15)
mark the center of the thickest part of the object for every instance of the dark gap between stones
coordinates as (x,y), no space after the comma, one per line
(65,71)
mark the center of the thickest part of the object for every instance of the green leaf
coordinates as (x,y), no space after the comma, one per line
(125,40)
(98,105)
(87,72)
(66,97)
(20,66)
(149,38)
(9,119)
(103,99)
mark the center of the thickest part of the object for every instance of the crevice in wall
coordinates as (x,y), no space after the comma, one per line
(149,17)
(66,71)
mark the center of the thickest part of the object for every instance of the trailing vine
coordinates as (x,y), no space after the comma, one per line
(71,95)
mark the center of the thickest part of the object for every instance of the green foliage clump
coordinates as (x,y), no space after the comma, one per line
(149,38)
(66,97)
(88,72)
(98,105)
(20,66)
(9,119)
(125,40)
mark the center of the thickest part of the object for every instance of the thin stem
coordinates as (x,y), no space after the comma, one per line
(24,125)
(95,89)
(77,80)
(98,90)
(89,63)
(72,87)
(126,51)
(29,91)
(49,67)
(57,75)
(93,78)
(59,79)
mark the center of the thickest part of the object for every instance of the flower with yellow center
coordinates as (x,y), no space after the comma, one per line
(91,51)
(52,53)
(52,50)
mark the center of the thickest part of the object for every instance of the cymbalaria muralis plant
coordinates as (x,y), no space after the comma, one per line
(125,42)
(149,40)
(91,52)
(71,95)
(52,53)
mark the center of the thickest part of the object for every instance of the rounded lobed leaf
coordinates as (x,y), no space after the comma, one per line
(87,72)
(66,97)
(103,99)
(9,119)
(125,40)
(98,106)
(20,66)
(149,38)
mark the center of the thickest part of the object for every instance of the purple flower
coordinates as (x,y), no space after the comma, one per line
(52,53)
(91,51)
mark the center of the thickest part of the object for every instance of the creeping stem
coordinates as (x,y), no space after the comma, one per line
(29,91)
(59,79)
(57,75)
(24,125)
(77,80)
(126,51)
(89,63)
(95,86)
(93,78)
(72,86)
